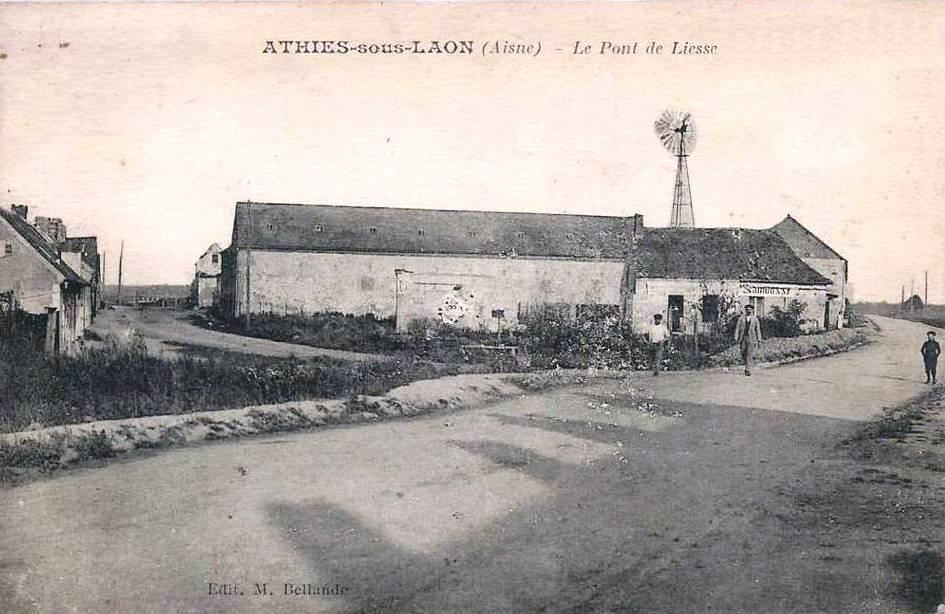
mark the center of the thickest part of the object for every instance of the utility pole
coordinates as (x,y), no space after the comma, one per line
(902,301)
(911,294)
(121,256)
(926,287)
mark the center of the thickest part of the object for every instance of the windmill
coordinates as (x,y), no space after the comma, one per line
(678,135)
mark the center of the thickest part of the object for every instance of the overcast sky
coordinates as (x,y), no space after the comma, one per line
(148,122)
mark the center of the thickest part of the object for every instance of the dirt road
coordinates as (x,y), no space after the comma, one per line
(165,331)
(720,493)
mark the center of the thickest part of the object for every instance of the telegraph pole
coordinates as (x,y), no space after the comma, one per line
(926,287)
(121,256)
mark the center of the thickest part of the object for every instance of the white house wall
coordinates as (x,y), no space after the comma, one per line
(652,297)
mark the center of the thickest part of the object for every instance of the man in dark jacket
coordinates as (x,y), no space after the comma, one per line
(930,351)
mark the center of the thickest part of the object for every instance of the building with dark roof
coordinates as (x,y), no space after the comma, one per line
(41,282)
(410,263)
(814,252)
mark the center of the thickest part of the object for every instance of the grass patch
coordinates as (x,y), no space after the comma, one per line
(124,381)
(898,421)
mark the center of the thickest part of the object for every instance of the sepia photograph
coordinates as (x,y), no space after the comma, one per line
(472,307)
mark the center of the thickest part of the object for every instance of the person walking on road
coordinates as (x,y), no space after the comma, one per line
(930,351)
(658,335)
(748,336)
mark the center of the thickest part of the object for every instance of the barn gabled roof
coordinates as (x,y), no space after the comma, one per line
(701,253)
(804,243)
(41,245)
(328,228)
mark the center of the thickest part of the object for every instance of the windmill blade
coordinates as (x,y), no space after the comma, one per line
(675,130)
(664,123)
(670,141)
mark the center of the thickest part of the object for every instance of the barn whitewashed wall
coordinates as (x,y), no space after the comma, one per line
(283,282)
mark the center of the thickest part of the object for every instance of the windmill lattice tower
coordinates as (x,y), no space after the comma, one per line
(678,134)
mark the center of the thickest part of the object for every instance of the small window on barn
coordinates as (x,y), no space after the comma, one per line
(520,235)
(270,227)
(570,236)
(319,228)
(7,248)
(373,230)
(215,258)
(420,232)
(367,283)
(472,233)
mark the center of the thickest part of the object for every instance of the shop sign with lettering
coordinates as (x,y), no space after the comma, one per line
(766,290)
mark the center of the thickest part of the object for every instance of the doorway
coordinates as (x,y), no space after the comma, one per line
(676,303)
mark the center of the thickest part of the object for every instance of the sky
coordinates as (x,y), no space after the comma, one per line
(147,122)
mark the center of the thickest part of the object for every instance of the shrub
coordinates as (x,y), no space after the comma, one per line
(554,338)
(123,381)
(784,322)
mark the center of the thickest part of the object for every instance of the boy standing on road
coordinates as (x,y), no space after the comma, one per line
(930,351)
(657,334)
(748,336)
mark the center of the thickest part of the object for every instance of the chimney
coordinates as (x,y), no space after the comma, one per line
(20,210)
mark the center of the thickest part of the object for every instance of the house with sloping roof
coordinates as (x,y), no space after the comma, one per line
(486,269)
(41,283)
(205,287)
(822,258)
(689,274)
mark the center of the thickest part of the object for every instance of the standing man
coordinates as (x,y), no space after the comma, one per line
(930,351)
(748,336)
(658,334)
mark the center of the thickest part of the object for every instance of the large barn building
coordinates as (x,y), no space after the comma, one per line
(486,269)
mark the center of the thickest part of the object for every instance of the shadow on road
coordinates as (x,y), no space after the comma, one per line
(673,520)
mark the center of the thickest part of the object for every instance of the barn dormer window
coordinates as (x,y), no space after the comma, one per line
(372,230)
(319,228)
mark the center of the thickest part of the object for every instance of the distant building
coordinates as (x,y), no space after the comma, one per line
(488,269)
(206,282)
(913,303)
(41,282)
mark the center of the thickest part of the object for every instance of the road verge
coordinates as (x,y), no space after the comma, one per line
(29,452)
